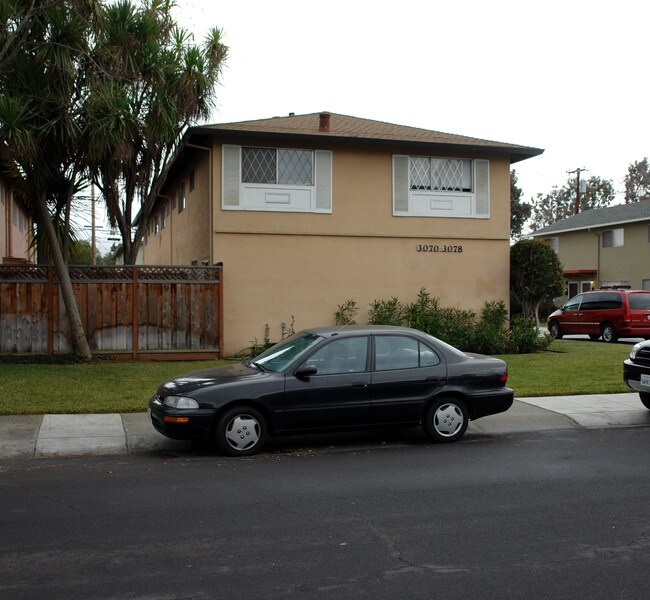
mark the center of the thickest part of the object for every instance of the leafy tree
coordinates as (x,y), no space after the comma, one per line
(637,181)
(560,202)
(41,101)
(148,84)
(519,211)
(18,19)
(535,276)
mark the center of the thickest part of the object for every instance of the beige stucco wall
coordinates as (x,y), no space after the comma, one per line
(14,239)
(269,278)
(186,236)
(279,265)
(303,265)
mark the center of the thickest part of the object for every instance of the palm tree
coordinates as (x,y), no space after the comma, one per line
(148,84)
(41,99)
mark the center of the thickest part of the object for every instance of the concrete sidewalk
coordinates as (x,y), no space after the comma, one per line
(131,433)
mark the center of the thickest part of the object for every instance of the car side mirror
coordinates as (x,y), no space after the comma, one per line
(305,371)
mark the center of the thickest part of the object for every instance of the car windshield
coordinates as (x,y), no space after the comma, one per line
(280,356)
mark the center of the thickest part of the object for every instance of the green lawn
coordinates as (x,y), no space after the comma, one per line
(570,367)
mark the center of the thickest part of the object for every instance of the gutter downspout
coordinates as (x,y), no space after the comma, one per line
(597,254)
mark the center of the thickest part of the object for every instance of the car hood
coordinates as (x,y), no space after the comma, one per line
(189,382)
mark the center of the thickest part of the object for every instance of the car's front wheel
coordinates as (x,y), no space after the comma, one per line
(645,399)
(608,333)
(240,431)
(446,420)
(555,331)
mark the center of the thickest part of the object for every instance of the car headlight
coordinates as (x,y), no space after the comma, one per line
(180,402)
(636,348)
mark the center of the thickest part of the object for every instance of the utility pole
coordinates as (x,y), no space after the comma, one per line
(577,171)
(93,243)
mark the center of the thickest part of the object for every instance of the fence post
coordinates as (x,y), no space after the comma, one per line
(50,310)
(221,312)
(135,305)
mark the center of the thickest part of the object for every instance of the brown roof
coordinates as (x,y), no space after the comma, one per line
(342,127)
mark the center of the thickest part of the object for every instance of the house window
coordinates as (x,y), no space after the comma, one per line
(180,196)
(612,238)
(14,212)
(163,215)
(555,243)
(276,179)
(155,225)
(440,174)
(191,180)
(427,186)
(282,166)
(2,194)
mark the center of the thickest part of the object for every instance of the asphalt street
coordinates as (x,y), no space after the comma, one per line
(551,514)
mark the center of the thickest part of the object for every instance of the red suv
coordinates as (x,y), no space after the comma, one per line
(607,313)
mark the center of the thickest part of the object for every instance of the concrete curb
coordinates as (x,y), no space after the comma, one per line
(40,436)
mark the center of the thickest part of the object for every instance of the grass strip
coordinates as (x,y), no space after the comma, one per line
(569,367)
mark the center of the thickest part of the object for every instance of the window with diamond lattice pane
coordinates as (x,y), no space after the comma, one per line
(420,173)
(258,165)
(295,167)
(447,174)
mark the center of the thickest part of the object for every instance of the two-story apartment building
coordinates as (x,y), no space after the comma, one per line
(15,225)
(603,247)
(308,211)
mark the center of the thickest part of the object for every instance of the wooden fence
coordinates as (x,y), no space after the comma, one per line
(169,312)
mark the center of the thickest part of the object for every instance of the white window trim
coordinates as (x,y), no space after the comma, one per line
(279,196)
(442,197)
(618,238)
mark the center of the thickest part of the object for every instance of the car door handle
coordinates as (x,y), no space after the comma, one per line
(359,384)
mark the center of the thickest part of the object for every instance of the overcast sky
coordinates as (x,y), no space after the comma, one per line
(568,76)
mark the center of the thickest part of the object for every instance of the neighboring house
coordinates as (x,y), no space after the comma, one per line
(15,225)
(603,247)
(308,211)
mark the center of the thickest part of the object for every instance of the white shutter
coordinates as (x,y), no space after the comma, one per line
(230,175)
(323,180)
(400,184)
(482,187)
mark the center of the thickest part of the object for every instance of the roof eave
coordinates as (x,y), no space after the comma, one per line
(516,154)
(588,227)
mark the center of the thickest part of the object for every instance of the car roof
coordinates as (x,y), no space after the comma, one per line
(347,330)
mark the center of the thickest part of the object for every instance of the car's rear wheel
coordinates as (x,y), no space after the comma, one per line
(240,431)
(446,420)
(555,331)
(608,333)
(593,336)
(645,399)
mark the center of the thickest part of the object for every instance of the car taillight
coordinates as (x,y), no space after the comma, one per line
(504,378)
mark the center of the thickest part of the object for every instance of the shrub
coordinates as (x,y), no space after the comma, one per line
(346,313)
(458,327)
(524,338)
(386,312)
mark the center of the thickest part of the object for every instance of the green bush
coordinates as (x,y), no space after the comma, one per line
(460,328)
(346,313)
(386,312)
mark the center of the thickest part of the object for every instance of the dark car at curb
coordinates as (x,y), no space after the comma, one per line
(636,371)
(334,379)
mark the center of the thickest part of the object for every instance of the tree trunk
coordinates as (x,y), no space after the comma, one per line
(79,341)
